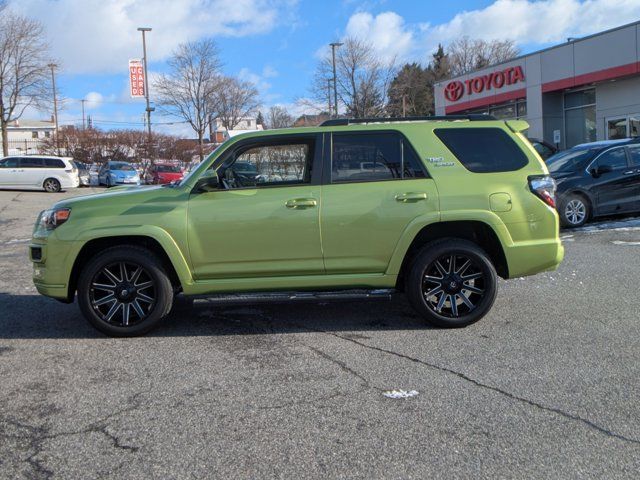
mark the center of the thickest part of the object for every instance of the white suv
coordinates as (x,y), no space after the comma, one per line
(38,172)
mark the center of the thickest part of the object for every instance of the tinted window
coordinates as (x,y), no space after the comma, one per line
(569,160)
(483,150)
(124,167)
(269,165)
(372,157)
(9,163)
(167,169)
(53,163)
(31,162)
(614,158)
(635,155)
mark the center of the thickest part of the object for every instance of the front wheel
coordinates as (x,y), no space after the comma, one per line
(574,211)
(452,283)
(125,291)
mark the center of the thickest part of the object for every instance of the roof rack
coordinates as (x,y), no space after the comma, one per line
(336,122)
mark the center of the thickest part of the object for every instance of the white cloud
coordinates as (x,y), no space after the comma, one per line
(386,32)
(258,80)
(96,36)
(534,22)
(93,100)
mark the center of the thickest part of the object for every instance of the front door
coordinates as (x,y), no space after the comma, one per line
(613,189)
(9,172)
(375,186)
(263,221)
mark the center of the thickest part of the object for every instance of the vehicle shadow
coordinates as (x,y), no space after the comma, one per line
(38,317)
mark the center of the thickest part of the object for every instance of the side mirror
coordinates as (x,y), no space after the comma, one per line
(207,184)
(602,169)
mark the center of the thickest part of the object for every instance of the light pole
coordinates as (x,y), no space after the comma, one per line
(334,45)
(53,66)
(146,84)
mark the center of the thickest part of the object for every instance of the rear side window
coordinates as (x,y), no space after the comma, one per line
(54,163)
(367,157)
(31,162)
(634,153)
(483,150)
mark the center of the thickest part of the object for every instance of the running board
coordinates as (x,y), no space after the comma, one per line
(283,297)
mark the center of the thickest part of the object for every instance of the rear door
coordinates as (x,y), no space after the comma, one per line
(614,190)
(34,171)
(374,185)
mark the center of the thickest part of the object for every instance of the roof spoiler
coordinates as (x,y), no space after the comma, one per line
(517,125)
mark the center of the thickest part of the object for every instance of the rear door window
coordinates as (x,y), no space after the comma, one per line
(483,150)
(634,153)
(31,162)
(371,157)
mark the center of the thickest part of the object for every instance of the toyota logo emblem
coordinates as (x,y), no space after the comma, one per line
(454,90)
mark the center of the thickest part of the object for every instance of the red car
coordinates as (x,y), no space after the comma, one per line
(159,174)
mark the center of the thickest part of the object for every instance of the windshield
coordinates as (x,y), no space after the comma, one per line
(569,159)
(121,166)
(167,169)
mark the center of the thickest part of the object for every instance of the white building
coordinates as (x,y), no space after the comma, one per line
(27,136)
(219,133)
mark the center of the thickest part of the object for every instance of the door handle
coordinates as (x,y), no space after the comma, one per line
(411,197)
(301,203)
(629,172)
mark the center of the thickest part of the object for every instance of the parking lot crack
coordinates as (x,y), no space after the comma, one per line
(570,416)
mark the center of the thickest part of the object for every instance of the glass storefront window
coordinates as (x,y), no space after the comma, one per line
(634,125)
(580,125)
(506,111)
(580,117)
(616,128)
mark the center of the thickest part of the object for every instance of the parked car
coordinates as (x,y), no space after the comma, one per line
(545,149)
(83,173)
(163,173)
(596,179)
(448,217)
(52,174)
(118,173)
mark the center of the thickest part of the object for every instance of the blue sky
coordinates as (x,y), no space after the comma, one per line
(276,43)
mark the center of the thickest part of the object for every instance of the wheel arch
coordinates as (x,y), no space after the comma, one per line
(476,231)
(172,261)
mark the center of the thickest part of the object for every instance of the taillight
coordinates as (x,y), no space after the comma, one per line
(544,187)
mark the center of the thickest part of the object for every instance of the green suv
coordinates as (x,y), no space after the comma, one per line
(435,207)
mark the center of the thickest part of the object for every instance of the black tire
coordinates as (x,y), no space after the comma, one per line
(51,185)
(574,210)
(473,297)
(128,291)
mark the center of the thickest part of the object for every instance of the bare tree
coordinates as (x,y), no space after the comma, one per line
(466,54)
(234,100)
(24,75)
(188,90)
(279,117)
(362,79)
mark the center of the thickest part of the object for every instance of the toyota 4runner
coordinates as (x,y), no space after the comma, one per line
(436,208)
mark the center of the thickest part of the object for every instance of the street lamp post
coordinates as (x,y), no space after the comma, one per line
(334,45)
(146,84)
(53,66)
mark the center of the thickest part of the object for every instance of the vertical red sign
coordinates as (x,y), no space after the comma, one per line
(136,78)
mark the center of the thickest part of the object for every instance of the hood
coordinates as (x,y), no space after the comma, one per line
(129,194)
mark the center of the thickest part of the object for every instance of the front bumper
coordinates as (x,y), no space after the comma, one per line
(52,264)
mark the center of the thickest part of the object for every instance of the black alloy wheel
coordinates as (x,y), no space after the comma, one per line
(125,291)
(452,283)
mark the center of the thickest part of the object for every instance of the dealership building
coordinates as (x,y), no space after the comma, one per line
(581,91)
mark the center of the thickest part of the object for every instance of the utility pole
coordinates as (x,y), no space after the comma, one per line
(53,66)
(329,94)
(334,45)
(83,122)
(146,86)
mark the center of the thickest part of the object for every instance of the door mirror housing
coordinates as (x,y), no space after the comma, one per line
(207,183)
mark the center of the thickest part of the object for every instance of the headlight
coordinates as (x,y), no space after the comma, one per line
(53,218)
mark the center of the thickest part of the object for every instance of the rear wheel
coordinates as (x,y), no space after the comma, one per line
(452,283)
(51,185)
(125,291)
(574,211)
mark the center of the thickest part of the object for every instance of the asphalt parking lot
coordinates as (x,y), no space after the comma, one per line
(545,386)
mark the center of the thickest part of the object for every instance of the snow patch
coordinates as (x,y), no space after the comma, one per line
(400,393)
